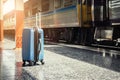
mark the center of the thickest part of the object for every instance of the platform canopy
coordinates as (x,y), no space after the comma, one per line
(18,5)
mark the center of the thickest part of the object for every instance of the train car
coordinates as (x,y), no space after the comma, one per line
(106,21)
(86,22)
(65,20)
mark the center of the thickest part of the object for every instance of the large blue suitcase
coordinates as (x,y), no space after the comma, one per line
(32,47)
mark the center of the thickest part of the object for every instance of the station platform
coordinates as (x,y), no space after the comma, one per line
(62,62)
(10,61)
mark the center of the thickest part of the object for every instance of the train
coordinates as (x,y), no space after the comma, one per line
(84,22)
(64,20)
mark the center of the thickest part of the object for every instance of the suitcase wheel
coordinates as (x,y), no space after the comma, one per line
(23,63)
(42,62)
(35,63)
(31,63)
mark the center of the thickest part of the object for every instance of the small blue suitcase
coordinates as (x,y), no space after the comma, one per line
(32,45)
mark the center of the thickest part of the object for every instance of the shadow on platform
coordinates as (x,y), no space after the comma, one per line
(92,57)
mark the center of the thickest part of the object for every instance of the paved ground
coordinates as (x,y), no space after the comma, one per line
(74,64)
(61,63)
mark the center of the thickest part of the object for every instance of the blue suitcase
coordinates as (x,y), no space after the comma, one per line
(32,46)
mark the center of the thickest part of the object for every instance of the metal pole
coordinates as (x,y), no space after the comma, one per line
(1,20)
(36,19)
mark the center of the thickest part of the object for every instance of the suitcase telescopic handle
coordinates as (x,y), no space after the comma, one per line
(38,20)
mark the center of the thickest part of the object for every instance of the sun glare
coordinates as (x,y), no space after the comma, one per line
(8,6)
(25,1)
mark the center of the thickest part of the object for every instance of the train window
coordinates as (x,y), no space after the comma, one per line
(27,12)
(51,5)
(114,9)
(57,4)
(45,5)
(69,2)
(74,2)
(34,11)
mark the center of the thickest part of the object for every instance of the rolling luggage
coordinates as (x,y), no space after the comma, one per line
(32,46)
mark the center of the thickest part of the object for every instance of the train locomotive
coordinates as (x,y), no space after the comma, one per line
(85,22)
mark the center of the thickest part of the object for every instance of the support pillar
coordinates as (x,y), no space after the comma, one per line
(1,20)
(19,8)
